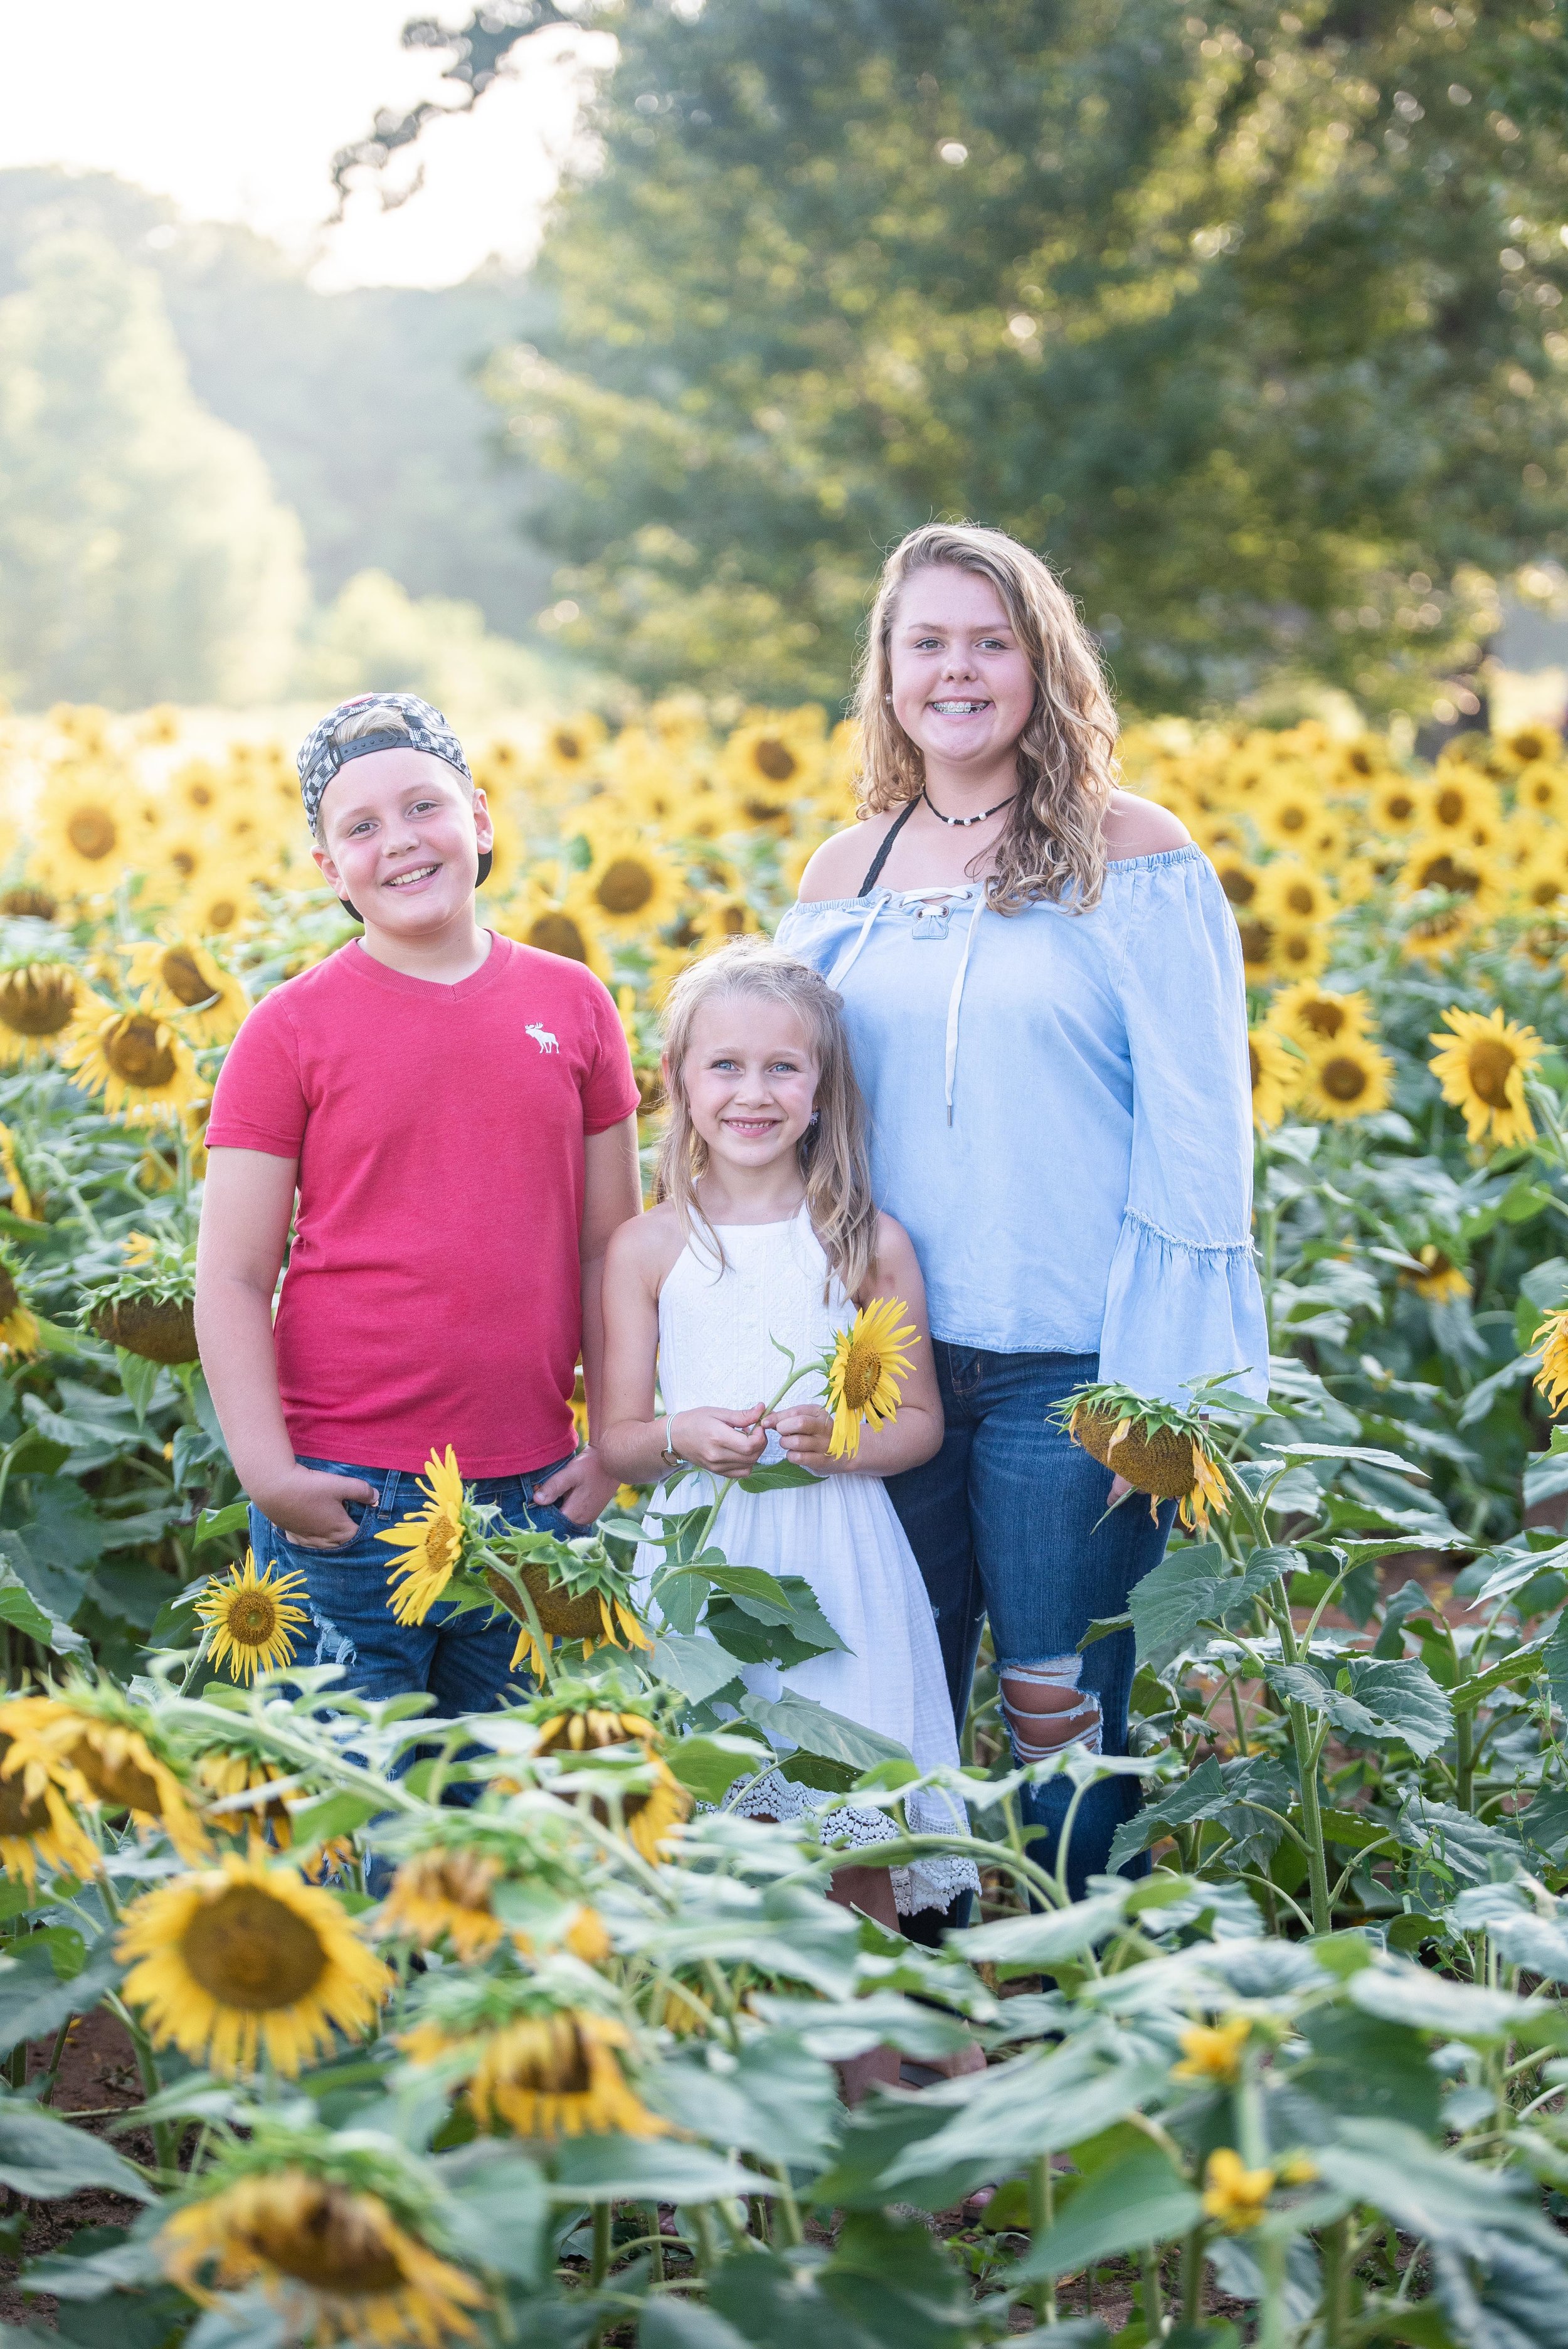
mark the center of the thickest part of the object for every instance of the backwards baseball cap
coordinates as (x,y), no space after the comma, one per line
(422,728)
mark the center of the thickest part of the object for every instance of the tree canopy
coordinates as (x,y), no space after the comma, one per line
(1248,318)
(143,554)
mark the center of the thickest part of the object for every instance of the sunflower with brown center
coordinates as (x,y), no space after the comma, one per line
(446,1893)
(631,885)
(1318,1018)
(251,1619)
(92,1740)
(1156,1448)
(245,1959)
(537,2060)
(433,1540)
(1440,1281)
(334,2258)
(134,1059)
(38,1827)
(652,1812)
(203,1000)
(38,1001)
(1482,1066)
(866,1367)
(1350,1078)
(81,830)
(1467,876)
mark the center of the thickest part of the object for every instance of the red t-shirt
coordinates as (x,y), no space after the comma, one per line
(433,1291)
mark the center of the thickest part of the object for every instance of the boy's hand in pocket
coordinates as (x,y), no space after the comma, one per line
(307,1504)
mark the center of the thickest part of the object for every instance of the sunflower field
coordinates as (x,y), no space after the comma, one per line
(321,2024)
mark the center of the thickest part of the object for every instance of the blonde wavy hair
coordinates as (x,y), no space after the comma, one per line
(833,1158)
(1052,845)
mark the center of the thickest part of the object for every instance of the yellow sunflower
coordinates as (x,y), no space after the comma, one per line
(38,1001)
(1527,745)
(243,1959)
(252,1619)
(1551,1342)
(82,835)
(721,917)
(220,1774)
(28,902)
(38,1827)
(1234,2197)
(1276,1076)
(20,1201)
(217,899)
(570,749)
(1258,946)
(1168,1462)
(134,1059)
(1350,1080)
(558,920)
(776,758)
(1440,1279)
(1397,805)
(334,2258)
(1297,951)
(1317,1018)
(1459,800)
(1482,1067)
(103,1758)
(446,1892)
(1540,790)
(651,1816)
(181,978)
(1291,894)
(1213,2051)
(1541,882)
(559,2074)
(631,885)
(19,1322)
(432,1539)
(1468,876)
(1287,809)
(865,1374)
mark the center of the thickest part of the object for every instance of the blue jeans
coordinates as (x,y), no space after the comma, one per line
(1004,1522)
(463,1660)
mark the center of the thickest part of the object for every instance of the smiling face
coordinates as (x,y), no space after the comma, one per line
(963,688)
(750,1080)
(400,839)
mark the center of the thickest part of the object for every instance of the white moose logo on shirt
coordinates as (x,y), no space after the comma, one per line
(543,1037)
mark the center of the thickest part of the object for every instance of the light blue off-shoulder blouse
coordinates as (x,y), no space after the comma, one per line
(1061,1114)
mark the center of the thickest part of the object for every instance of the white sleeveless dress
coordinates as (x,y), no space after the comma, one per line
(716,1324)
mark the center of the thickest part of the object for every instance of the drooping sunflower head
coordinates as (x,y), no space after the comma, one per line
(106,1753)
(40,1828)
(205,1003)
(38,1001)
(245,1959)
(433,1540)
(647,1800)
(1160,1448)
(1319,1017)
(1482,1065)
(866,1369)
(446,1893)
(252,1619)
(134,1058)
(19,1322)
(538,2059)
(1465,884)
(570,1590)
(1550,1342)
(333,2257)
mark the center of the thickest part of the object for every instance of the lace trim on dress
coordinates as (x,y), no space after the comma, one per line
(931,1883)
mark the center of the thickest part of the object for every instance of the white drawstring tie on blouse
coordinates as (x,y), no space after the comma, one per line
(926,899)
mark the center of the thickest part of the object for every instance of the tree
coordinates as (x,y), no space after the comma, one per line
(1247,318)
(143,554)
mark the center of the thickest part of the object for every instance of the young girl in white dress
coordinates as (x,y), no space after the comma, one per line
(766,1229)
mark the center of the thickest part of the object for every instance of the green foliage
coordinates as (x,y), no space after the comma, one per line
(1246,317)
(143,554)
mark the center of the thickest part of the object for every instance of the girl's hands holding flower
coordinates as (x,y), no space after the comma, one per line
(724,1443)
(805,1430)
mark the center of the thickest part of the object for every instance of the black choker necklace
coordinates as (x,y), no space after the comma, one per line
(957,822)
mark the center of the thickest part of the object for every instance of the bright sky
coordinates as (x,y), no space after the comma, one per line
(235,109)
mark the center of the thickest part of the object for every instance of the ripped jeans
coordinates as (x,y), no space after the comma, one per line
(462,1660)
(1004,1522)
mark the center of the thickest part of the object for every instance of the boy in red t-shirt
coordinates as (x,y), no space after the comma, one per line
(458,1116)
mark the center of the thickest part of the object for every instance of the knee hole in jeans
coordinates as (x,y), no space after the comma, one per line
(1045,1710)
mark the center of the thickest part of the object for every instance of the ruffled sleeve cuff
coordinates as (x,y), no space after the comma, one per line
(1176,1310)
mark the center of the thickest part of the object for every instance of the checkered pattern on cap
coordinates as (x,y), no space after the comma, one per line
(320,757)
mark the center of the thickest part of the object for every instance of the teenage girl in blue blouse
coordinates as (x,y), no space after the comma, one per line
(1044,992)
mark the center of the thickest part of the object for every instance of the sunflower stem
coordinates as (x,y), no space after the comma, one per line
(165,2145)
(57,2056)
(604,2223)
